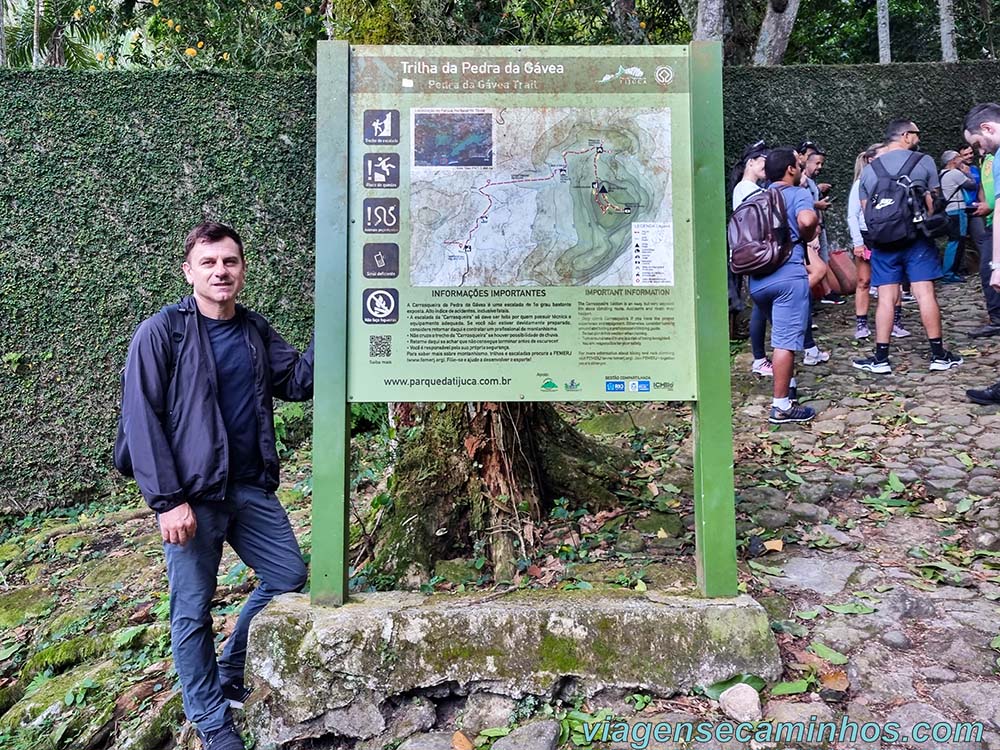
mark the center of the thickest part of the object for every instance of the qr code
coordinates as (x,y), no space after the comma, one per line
(380,346)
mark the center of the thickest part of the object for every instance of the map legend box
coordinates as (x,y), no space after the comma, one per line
(381,127)
(381,171)
(380,260)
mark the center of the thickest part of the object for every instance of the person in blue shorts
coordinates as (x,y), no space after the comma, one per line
(982,132)
(917,260)
(783,296)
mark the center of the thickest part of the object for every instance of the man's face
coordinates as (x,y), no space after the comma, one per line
(967,154)
(814,164)
(911,138)
(215,271)
(986,139)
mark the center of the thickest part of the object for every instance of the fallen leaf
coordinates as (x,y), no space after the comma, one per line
(835,680)
(825,652)
(661,534)
(775,545)
(460,742)
(653,489)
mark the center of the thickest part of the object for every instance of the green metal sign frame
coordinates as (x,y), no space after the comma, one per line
(715,534)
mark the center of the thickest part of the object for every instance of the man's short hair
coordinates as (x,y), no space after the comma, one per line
(815,153)
(987,112)
(211,231)
(778,161)
(897,129)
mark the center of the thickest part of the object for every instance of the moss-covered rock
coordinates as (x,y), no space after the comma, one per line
(339,668)
(459,570)
(83,717)
(24,604)
(9,551)
(118,569)
(59,656)
(671,523)
(71,543)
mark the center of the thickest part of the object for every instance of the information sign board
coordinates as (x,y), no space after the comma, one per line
(520,224)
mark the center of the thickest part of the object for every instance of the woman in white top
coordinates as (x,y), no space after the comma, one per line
(749,174)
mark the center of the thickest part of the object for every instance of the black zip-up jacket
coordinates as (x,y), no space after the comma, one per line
(173,426)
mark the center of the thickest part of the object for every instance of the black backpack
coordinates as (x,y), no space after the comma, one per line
(758,235)
(893,205)
(175,324)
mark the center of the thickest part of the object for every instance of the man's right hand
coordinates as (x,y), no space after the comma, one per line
(177,525)
(859,251)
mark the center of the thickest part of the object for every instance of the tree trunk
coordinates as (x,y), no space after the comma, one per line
(478,478)
(711,17)
(884,48)
(626,22)
(36,50)
(690,10)
(947,12)
(775,31)
(3,34)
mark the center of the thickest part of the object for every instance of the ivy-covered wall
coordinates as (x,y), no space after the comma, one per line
(101,176)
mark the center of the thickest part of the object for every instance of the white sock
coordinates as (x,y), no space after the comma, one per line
(814,352)
(782,404)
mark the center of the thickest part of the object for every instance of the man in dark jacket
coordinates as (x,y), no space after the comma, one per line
(198,433)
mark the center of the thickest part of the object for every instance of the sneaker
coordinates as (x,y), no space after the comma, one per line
(764,369)
(795,414)
(224,738)
(870,364)
(898,332)
(986,397)
(907,297)
(990,329)
(815,357)
(861,330)
(236,693)
(832,299)
(946,361)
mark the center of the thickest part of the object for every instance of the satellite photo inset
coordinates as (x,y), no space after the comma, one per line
(452,139)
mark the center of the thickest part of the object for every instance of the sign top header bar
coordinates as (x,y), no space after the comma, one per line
(568,70)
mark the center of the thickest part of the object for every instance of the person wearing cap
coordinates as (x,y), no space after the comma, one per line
(955,178)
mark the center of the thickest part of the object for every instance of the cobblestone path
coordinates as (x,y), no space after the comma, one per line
(894,514)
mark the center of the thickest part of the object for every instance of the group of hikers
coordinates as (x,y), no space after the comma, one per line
(899,204)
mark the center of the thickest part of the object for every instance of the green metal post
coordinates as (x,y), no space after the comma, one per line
(715,516)
(331,432)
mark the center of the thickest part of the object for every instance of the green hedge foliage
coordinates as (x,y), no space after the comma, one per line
(101,176)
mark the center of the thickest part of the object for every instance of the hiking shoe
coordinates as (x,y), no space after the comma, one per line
(236,693)
(986,397)
(224,738)
(898,332)
(946,361)
(815,357)
(832,299)
(795,414)
(861,330)
(907,297)
(870,364)
(990,329)
(764,369)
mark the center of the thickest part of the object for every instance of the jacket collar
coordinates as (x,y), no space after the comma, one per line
(189,305)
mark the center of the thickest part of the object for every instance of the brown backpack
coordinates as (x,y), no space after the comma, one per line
(758,236)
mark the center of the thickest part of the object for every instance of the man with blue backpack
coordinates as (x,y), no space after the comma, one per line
(767,238)
(197,433)
(897,195)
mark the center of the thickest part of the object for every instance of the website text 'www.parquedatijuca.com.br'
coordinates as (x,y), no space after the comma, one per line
(654,735)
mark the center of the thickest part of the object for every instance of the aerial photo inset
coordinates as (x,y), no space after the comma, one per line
(452,139)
